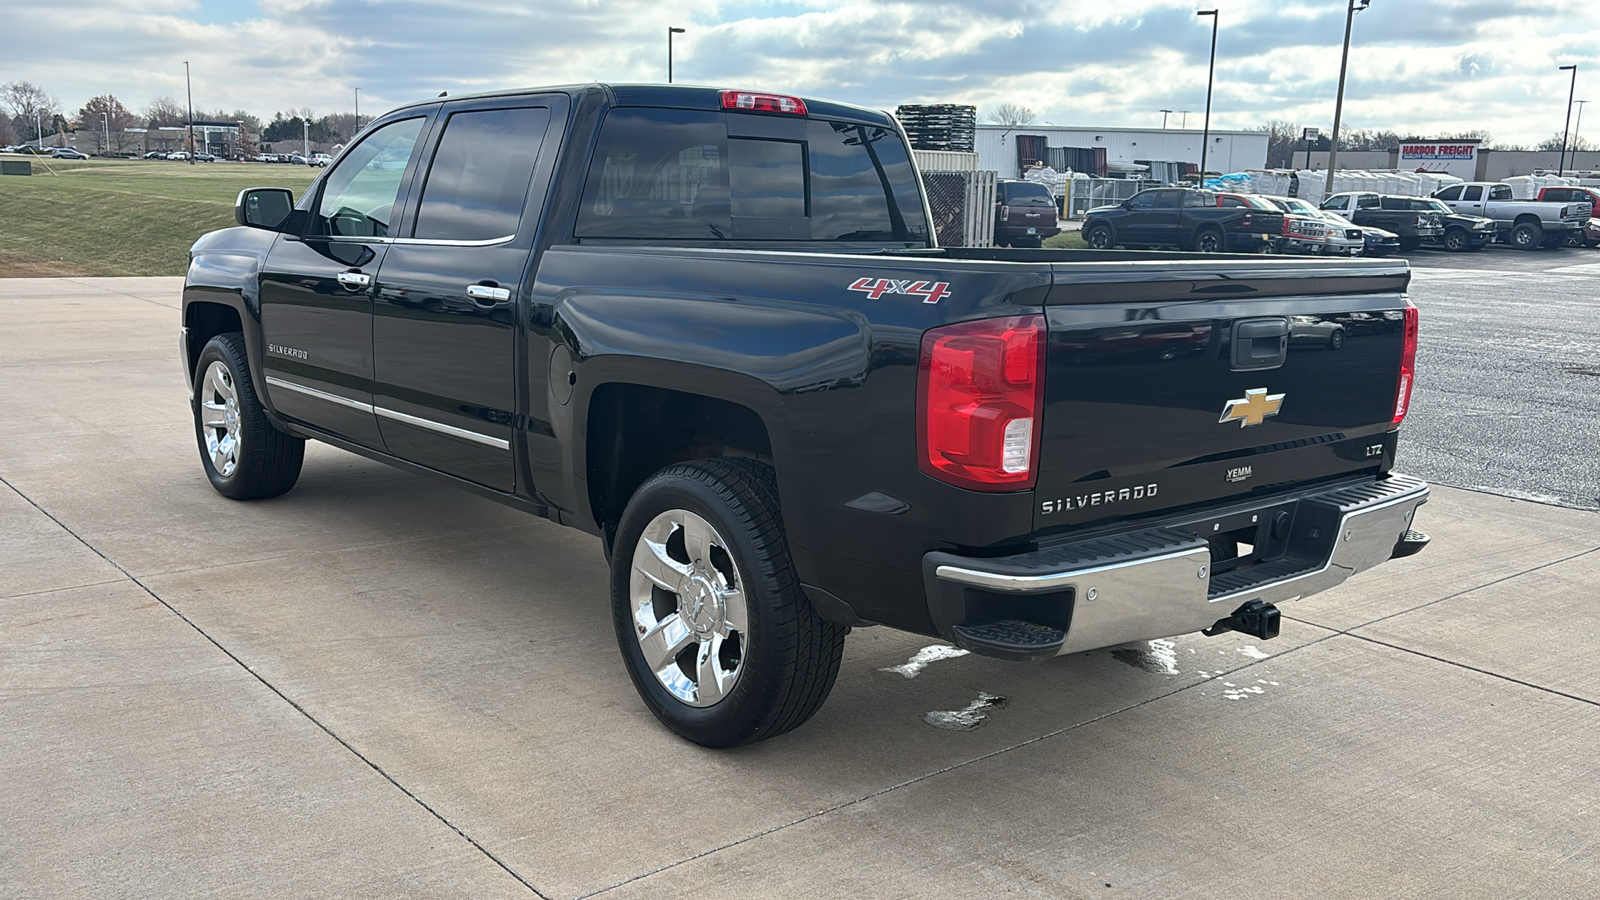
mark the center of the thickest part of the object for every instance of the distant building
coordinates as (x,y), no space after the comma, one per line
(1114,151)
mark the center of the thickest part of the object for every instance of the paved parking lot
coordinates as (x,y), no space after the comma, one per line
(378,686)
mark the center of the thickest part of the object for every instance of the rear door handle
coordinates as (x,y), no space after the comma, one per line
(488,294)
(355,279)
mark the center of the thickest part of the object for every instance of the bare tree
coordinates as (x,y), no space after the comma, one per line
(108,120)
(1012,114)
(30,107)
(1283,139)
(1552,144)
(164,112)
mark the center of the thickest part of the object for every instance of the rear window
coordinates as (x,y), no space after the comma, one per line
(678,175)
(1027,194)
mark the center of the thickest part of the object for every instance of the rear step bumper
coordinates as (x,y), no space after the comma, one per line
(1157,581)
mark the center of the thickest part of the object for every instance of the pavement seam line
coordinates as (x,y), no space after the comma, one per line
(78,280)
(1460,593)
(284,697)
(1472,668)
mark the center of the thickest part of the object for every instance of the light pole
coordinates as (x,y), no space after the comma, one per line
(1338,102)
(38,123)
(1566,129)
(1577,127)
(1164,114)
(189,87)
(305,140)
(358,110)
(1185,123)
(1205,141)
(105,116)
(670,32)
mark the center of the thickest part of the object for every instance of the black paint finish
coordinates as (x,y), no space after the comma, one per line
(768,342)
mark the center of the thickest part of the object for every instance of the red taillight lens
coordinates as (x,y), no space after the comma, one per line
(1005,212)
(756,102)
(980,390)
(1408,367)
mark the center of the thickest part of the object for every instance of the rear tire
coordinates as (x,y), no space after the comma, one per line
(1209,240)
(1100,237)
(1527,236)
(714,629)
(245,456)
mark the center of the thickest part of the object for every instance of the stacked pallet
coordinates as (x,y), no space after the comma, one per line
(941,126)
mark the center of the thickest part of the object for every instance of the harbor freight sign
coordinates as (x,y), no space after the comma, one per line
(1458,158)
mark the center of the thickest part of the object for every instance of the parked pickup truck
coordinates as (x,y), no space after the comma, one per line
(1591,233)
(1415,224)
(713,329)
(1524,224)
(1202,221)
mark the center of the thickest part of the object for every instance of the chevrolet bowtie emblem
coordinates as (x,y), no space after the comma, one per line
(1253,409)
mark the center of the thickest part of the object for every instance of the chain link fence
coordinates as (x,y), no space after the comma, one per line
(1084,194)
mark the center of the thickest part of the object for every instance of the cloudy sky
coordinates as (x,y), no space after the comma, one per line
(1417,66)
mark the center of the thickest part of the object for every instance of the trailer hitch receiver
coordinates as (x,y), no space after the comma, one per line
(1255,618)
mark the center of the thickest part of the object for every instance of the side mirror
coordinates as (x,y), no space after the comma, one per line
(265,208)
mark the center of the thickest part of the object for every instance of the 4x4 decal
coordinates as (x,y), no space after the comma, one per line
(929,291)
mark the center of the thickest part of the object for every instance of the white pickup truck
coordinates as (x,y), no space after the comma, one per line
(1524,224)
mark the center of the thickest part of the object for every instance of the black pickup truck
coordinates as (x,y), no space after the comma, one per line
(1189,219)
(713,329)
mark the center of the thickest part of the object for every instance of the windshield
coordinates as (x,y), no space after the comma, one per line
(1295,205)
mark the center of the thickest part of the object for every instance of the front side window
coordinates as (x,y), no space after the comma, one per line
(1340,202)
(1167,199)
(1143,200)
(479,177)
(360,193)
(1450,193)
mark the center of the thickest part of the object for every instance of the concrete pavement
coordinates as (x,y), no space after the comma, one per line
(378,686)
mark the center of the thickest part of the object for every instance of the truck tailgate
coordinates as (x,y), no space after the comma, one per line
(1172,384)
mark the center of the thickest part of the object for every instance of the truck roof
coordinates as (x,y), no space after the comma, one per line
(677,96)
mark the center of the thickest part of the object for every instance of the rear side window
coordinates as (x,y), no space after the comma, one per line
(676,174)
(1473,193)
(479,177)
(1500,192)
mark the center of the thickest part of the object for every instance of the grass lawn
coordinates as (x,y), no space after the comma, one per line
(122,217)
(1066,240)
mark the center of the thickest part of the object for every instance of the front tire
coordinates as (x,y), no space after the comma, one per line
(714,629)
(1100,237)
(245,456)
(1457,241)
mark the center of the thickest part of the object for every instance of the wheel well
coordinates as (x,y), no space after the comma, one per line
(205,321)
(635,431)
(1528,219)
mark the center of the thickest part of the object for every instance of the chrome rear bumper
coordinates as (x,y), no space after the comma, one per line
(1158,581)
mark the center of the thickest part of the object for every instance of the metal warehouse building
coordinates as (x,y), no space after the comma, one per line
(999,148)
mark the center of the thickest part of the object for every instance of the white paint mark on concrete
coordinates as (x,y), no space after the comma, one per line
(967,718)
(1251,651)
(920,660)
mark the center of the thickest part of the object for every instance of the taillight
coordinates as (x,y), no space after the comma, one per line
(1285,227)
(1408,366)
(979,395)
(756,102)
(1005,212)
(1246,221)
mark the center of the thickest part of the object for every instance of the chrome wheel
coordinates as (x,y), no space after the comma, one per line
(688,606)
(219,418)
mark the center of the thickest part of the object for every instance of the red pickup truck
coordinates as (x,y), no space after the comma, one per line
(1591,234)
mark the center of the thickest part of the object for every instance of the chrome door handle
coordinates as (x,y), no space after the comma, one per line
(489,294)
(355,279)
